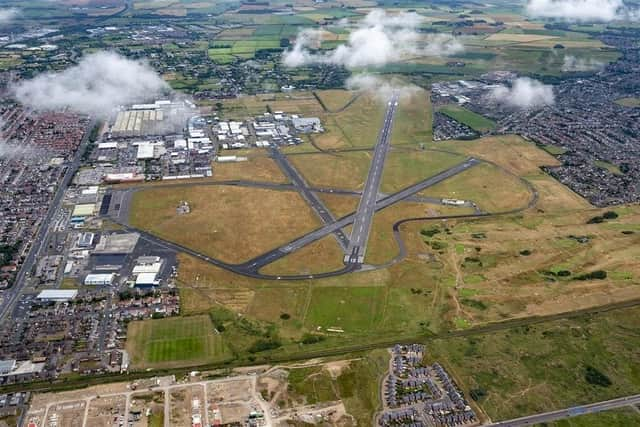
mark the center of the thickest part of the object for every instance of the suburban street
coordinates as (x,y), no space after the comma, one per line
(366,208)
(12,294)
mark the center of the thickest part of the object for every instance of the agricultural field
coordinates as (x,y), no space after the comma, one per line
(175,341)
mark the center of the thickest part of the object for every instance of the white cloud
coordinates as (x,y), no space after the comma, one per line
(524,93)
(9,151)
(382,88)
(8,15)
(23,152)
(379,39)
(573,64)
(581,10)
(99,83)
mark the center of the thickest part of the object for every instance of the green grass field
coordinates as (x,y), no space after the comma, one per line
(553,149)
(174,341)
(542,367)
(335,307)
(473,120)
(403,168)
(614,169)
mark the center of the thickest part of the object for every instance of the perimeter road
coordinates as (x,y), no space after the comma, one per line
(367,206)
(575,411)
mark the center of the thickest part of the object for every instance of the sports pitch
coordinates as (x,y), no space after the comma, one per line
(176,340)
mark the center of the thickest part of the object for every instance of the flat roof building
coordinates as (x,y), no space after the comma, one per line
(147,279)
(117,243)
(57,295)
(101,279)
(7,366)
(84,210)
(85,240)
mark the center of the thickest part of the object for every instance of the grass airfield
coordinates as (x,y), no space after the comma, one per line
(458,274)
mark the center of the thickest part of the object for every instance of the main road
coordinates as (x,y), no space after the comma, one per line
(367,206)
(575,411)
(39,239)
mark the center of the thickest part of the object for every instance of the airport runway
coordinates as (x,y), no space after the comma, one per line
(366,208)
(252,266)
(310,197)
(569,412)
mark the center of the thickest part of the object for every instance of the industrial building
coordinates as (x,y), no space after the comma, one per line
(145,280)
(100,279)
(85,240)
(84,210)
(160,118)
(307,124)
(57,295)
(7,366)
(117,243)
(146,271)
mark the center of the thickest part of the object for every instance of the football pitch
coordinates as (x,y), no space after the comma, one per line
(175,340)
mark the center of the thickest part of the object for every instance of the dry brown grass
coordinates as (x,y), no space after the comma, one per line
(412,124)
(250,106)
(229,223)
(512,285)
(346,171)
(523,159)
(340,205)
(403,168)
(382,246)
(492,189)
(257,168)
(510,152)
(323,255)
(357,126)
